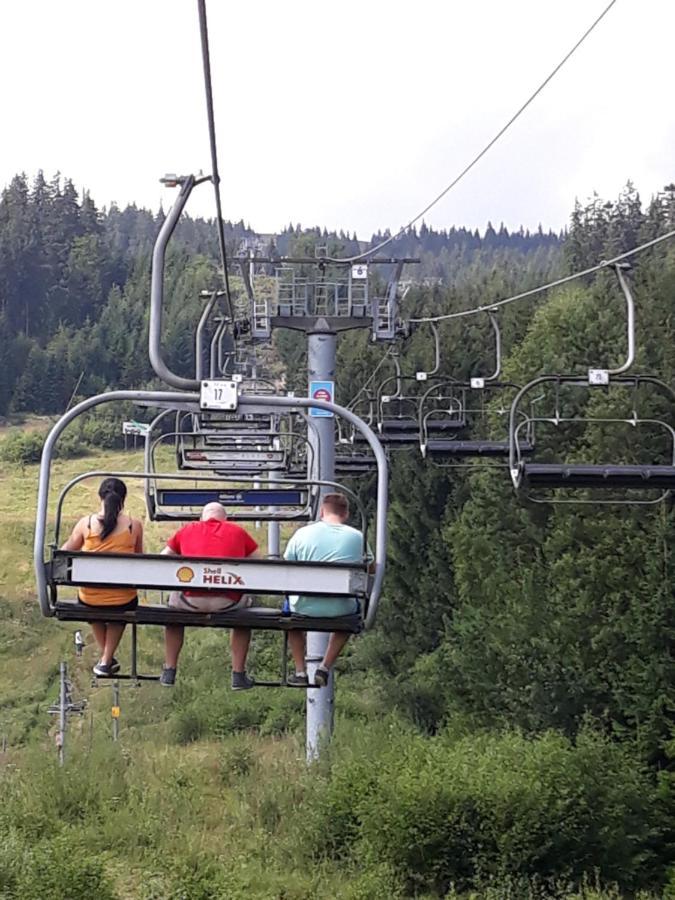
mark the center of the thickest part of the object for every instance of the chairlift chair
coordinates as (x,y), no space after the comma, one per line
(61,569)
(554,475)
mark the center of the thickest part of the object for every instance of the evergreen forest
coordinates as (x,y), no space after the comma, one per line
(505,731)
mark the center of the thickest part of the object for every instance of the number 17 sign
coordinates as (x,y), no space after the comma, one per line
(321,390)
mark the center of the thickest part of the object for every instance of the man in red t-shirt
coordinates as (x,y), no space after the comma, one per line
(215,537)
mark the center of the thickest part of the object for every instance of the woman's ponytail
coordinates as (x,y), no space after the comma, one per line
(113,493)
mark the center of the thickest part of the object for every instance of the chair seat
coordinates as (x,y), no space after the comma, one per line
(256,617)
(440,447)
(573,475)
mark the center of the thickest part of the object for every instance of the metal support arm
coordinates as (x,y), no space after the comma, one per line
(157,291)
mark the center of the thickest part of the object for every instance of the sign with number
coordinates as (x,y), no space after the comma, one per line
(598,376)
(359,271)
(321,390)
(218,395)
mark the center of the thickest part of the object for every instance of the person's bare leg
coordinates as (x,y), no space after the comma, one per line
(173,644)
(296,641)
(98,630)
(239,644)
(336,642)
(113,635)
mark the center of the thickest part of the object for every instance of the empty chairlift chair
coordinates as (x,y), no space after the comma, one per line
(644,441)
(478,405)
(604,399)
(455,416)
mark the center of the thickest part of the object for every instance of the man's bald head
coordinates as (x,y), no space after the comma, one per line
(214,511)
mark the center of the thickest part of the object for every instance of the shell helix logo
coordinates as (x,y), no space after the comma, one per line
(185,574)
(221,577)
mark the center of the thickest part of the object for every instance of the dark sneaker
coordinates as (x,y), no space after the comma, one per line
(241,681)
(321,677)
(298,679)
(114,665)
(103,671)
(168,676)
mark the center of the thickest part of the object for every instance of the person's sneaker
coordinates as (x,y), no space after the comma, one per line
(241,681)
(298,679)
(168,676)
(103,671)
(321,677)
(114,665)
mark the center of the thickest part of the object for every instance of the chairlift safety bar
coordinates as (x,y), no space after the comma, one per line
(204,575)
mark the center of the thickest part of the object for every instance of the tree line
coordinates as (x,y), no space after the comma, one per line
(74,284)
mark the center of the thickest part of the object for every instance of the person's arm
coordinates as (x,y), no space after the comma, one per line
(173,545)
(370,559)
(76,539)
(138,534)
(251,547)
(290,551)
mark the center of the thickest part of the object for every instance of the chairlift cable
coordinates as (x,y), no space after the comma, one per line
(372,375)
(465,171)
(606,263)
(215,175)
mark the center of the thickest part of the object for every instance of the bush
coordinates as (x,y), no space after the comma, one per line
(102,433)
(465,812)
(54,869)
(210,711)
(22,447)
(53,797)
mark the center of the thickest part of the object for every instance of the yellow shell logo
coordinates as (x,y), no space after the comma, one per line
(185,574)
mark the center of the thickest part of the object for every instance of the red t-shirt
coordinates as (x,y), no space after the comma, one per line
(213,538)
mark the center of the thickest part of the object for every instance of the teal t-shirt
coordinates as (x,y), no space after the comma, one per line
(321,542)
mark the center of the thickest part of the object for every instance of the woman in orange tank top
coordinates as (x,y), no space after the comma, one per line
(108,531)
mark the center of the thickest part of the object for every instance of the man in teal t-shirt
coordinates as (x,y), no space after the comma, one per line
(328,540)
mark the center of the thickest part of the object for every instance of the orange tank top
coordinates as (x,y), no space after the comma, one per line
(122,542)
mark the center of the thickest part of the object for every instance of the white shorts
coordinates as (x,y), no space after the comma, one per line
(207,603)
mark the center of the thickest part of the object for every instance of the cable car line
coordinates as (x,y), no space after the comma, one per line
(215,175)
(606,263)
(377,368)
(476,159)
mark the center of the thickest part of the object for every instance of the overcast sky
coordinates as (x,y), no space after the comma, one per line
(349,115)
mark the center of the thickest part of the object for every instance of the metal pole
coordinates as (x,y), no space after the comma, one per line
(273,530)
(134,650)
(273,536)
(200,350)
(321,354)
(61,738)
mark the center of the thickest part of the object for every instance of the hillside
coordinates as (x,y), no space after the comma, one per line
(505,731)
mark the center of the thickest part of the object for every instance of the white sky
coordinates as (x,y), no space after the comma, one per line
(350,115)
